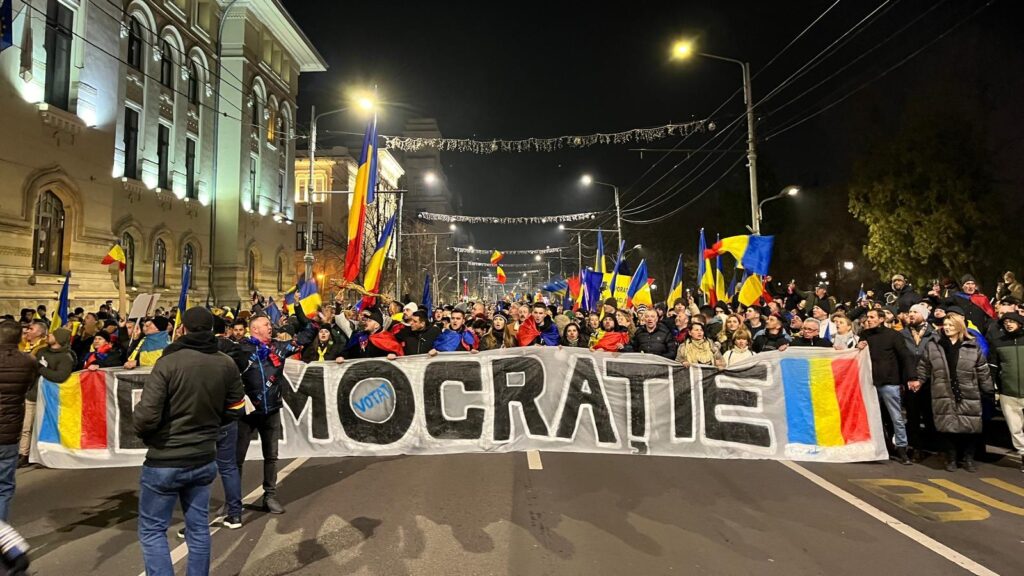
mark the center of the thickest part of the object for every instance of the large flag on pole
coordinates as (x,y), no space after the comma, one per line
(599,258)
(752,253)
(496,257)
(676,289)
(705,274)
(720,288)
(371,280)
(428,298)
(639,291)
(60,315)
(501,275)
(116,254)
(366,184)
(186,279)
(615,273)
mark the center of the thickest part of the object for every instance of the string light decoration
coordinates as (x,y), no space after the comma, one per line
(507,252)
(634,136)
(503,265)
(449,218)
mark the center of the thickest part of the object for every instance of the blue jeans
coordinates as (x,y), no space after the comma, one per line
(889,396)
(161,489)
(8,466)
(227,440)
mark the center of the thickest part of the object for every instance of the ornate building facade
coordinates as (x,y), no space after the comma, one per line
(165,125)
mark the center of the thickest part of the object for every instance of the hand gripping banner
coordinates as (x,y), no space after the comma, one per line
(802,404)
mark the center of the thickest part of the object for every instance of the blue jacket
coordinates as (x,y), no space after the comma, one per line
(262,365)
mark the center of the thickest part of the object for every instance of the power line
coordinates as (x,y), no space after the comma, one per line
(694,199)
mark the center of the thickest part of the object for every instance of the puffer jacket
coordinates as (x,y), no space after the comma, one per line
(659,342)
(262,365)
(1007,356)
(972,372)
(18,371)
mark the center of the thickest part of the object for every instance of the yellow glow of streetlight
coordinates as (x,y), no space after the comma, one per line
(537,257)
(452,227)
(682,49)
(365,103)
(430,177)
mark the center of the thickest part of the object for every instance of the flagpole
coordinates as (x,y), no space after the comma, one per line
(122,294)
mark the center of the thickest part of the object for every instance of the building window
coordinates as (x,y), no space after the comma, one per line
(280,190)
(280,275)
(163,148)
(254,197)
(318,236)
(128,245)
(188,258)
(271,127)
(282,134)
(131,143)
(190,169)
(251,271)
(166,64)
(135,43)
(257,112)
(48,234)
(160,264)
(193,83)
(59,26)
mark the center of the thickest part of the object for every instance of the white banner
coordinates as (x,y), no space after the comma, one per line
(802,404)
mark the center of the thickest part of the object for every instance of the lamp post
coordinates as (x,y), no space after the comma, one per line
(587,180)
(365,104)
(683,50)
(787,191)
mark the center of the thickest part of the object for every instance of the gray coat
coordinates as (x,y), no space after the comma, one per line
(972,372)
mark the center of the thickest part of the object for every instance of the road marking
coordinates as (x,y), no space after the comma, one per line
(1011,454)
(912,533)
(533,459)
(179,553)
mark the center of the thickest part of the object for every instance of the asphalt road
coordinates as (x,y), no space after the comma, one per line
(579,514)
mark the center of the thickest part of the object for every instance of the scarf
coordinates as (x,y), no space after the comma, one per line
(698,352)
(97,355)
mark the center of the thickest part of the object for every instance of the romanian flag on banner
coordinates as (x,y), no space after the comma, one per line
(366,185)
(60,315)
(371,280)
(752,253)
(824,402)
(675,291)
(501,275)
(116,254)
(75,411)
(599,258)
(496,257)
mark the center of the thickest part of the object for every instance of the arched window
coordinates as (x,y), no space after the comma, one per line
(160,264)
(48,236)
(272,126)
(193,82)
(135,43)
(166,64)
(280,275)
(188,258)
(251,271)
(128,245)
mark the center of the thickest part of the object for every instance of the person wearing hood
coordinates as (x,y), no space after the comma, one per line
(1007,357)
(56,363)
(154,339)
(538,329)
(102,354)
(192,391)
(371,340)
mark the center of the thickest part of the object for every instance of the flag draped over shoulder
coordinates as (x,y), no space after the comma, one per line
(371,280)
(363,194)
(60,315)
(116,254)
(610,341)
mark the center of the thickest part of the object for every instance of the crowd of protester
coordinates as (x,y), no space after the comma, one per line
(938,360)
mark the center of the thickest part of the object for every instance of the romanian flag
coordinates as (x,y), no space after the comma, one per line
(186,280)
(720,288)
(639,291)
(496,257)
(501,274)
(116,254)
(752,290)
(705,274)
(371,280)
(308,296)
(824,403)
(75,411)
(599,258)
(610,341)
(675,291)
(752,253)
(60,315)
(273,312)
(366,185)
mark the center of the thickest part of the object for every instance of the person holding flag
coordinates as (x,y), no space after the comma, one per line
(539,329)
(371,340)
(456,338)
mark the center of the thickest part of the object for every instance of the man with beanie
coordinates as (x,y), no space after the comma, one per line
(920,425)
(102,354)
(56,363)
(975,305)
(154,339)
(902,296)
(371,340)
(892,365)
(263,375)
(17,373)
(192,390)
(1007,357)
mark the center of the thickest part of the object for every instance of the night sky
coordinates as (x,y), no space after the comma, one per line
(559,68)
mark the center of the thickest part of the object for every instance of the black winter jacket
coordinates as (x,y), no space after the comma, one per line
(18,371)
(418,342)
(263,365)
(891,361)
(659,342)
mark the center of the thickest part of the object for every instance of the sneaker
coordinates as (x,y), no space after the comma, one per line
(901,456)
(969,465)
(270,504)
(950,465)
(232,522)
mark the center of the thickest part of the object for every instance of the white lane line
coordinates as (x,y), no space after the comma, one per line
(533,459)
(1012,455)
(912,533)
(179,553)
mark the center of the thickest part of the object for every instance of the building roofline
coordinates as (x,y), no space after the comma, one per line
(274,16)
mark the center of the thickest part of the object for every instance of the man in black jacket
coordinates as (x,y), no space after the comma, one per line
(17,372)
(262,377)
(653,338)
(920,425)
(892,365)
(191,390)
(810,336)
(418,337)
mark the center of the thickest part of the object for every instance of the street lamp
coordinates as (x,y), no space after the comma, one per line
(561,227)
(365,103)
(787,191)
(430,178)
(684,49)
(848,266)
(587,180)
(453,227)
(537,258)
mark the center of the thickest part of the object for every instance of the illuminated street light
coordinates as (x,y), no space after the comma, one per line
(847,265)
(537,257)
(561,226)
(682,49)
(453,227)
(430,178)
(586,180)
